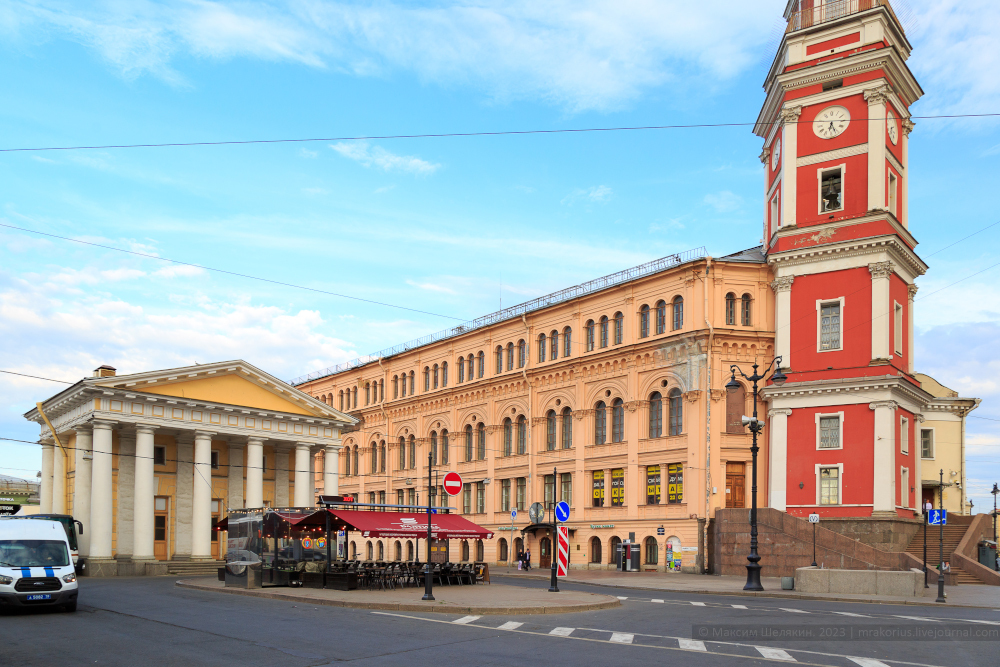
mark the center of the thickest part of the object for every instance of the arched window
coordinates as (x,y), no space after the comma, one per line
(550,430)
(434,447)
(595,550)
(589,334)
(398,549)
(413,383)
(567,341)
(481,441)
(600,423)
(541,348)
(508,436)
(678,312)
(480,555)
(381,391)
(652,551)
(461,370)
(395,386)
(354,395)
(341,398)
(468,442)
(356,462)
(381,550)
(402,453)
(481,366)
(374,458)
(465,550)
(518,546)
(444,374)
(510,356)
(367,393)
(655,415)
(604,331)
(413,451)
(522,353)
(619,328)
(472,367)
(409,549)
(354,550)
(617,420)
(502,550)
(614,545)
(370,550)
(522,434)
(444,447)
(436,376)
(676,424)
(730,309)
(347,461)
(499,359)
(381,456)
(745,310)
(644,321)
(567,428)
(427,378)
(554,336)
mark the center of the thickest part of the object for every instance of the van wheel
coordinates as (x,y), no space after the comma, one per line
(71,606)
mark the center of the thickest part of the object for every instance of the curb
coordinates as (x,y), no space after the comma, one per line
(404,606)
(917,602)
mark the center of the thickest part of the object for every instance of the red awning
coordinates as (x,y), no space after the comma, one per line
(405,524)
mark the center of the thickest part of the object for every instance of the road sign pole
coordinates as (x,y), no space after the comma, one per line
(553,582)
(428,583)
(940,597)
(510,542)
(927,517)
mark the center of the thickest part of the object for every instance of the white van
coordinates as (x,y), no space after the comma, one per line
(36,568)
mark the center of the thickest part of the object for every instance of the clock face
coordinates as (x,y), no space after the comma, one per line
(890,120)
(775,153)
(831,122)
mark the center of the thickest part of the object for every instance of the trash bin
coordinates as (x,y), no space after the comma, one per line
(988,554)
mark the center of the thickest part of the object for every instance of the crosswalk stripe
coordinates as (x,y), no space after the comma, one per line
(561,632)
(657,600)
(698,604)
(847,613)
(774,653)
(867,662)
(466,619)
(510,625)
(622,637)
(692,644)
(974,620)
(739,606)
(794,611)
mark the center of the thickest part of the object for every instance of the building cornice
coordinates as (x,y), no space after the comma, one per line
(897,251)
(898,386)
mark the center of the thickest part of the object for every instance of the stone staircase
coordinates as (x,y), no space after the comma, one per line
(193,568)
(954,532)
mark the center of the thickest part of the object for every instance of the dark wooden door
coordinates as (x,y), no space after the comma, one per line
(545,553)
(735,484)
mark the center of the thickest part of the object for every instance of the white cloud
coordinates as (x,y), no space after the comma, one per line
(583,54)
(724,201)
(179,271)
(363,153)
(595,193)
(431,287)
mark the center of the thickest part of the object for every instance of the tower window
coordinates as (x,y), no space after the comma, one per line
(831,195)
(898,329)
(830,325)
(892,194)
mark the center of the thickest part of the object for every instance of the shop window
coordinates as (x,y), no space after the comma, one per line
(652,550)
(675,483)
(597,486)
(652,485)
(618,487)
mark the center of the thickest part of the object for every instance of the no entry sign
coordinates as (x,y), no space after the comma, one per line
(562,554)
(452,483)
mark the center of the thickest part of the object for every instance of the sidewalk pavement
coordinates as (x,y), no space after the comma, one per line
(676,582)
(481,599)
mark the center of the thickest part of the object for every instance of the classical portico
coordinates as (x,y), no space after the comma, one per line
(148,461)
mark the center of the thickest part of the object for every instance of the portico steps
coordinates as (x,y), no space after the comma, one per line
(194,568)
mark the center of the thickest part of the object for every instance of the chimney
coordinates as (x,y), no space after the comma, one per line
(105,371)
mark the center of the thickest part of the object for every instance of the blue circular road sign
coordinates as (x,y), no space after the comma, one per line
(513,514)
(562,512)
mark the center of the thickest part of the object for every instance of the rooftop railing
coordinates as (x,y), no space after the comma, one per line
(815,12)
(514,311)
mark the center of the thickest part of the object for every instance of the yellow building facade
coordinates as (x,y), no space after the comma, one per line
(608,395)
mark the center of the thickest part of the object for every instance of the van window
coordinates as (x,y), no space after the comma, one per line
(33,553)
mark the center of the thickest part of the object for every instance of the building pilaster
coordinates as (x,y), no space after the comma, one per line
(882,315)
(789,164)
(778,464)
(876,98)
(783,319)
(884,484)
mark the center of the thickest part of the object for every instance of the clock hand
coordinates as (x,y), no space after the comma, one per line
(832,128)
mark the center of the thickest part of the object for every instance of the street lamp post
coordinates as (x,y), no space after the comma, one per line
(940,597)
(995,491)
(756,426)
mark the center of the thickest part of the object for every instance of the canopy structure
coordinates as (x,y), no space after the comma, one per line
(412,525)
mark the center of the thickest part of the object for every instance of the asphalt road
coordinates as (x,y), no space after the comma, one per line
(149,621)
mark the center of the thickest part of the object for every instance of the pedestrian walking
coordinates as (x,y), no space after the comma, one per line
(527,559)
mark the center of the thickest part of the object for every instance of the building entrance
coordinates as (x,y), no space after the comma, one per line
(736,476)
(161,520)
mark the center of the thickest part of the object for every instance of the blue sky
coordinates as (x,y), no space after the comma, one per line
(449,226)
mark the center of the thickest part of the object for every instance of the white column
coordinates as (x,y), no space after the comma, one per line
(101,507)
(884,480)
(201,501)
(235,494)
(882,315)
(124,502)
(255,472)
(778,464)
(303,483)
(45,493)
(58,480)
(81,485)
(182,509)
(280,476)
(876,147)
(331,468)
(142,502)
(783,319)
(789,164)
(911,292)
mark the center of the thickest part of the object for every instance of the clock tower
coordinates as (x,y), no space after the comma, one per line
(835,125)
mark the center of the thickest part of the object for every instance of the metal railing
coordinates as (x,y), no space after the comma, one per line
(815,12)
(514,311)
